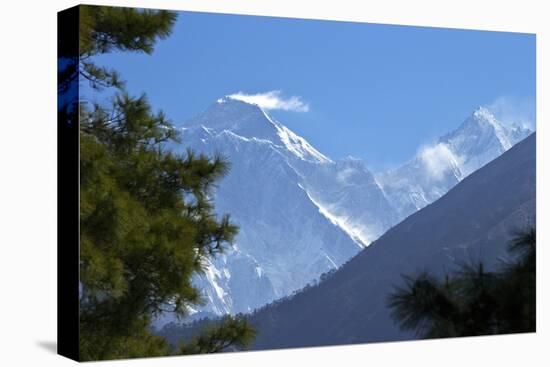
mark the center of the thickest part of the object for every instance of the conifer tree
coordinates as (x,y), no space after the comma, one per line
(472,301)
(147,221)
(104,29)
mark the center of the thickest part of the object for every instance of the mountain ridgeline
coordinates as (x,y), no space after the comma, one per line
(437,168)
(473,222)
(300,213)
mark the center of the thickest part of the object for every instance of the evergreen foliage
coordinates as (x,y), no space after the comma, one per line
(146,224)
(105,29)
(223,335)
(147,221)
(472,301)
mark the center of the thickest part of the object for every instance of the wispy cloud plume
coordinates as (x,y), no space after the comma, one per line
(438,159)
(513,110)
(273,100)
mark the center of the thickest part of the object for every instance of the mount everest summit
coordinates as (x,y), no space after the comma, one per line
(300,213)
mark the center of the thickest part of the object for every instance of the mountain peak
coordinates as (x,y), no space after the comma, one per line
(480,126)
(480,138)
(242,118)
(248,120)
(234,108)
(228,101)
(481,121)
(483,113)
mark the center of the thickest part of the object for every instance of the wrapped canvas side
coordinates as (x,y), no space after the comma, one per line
(68,185)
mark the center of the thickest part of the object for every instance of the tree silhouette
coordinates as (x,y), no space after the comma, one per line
(472,301)
(147,221)
(104,29)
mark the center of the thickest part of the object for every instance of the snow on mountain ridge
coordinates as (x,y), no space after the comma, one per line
(437,168)
(251,121)
(299,145)
(300,213)
(356,234)
(286,240)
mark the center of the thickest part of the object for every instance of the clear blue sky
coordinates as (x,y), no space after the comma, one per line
(376,92)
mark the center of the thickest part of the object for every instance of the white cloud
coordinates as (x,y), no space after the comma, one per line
(272,100)
(437,160)
(513,110)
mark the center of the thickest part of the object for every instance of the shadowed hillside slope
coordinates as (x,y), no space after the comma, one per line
(472,222)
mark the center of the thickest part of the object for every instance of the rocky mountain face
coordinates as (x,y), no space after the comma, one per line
(302,214)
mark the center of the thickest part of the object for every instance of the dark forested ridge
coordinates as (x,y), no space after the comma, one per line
(473,222)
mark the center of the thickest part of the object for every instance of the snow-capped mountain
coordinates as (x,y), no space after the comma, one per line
(302,214)
(470,223)
(439,167)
